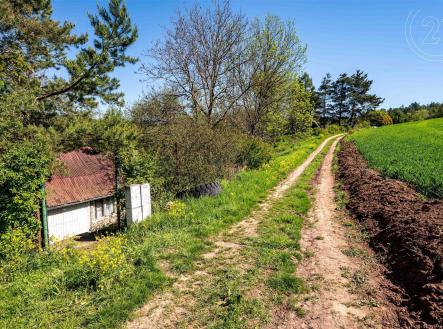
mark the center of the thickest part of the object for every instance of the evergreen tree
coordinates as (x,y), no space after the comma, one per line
(340,98)
(347,99)
(33,46)
(360,101)
(323,104)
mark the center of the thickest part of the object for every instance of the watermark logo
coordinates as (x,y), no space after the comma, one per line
(424,35)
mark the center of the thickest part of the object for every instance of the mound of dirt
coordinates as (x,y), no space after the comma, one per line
(405,230)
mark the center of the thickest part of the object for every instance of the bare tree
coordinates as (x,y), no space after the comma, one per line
(200,58)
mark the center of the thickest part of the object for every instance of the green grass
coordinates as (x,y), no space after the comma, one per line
(56,289)
(229,295)
(412,152)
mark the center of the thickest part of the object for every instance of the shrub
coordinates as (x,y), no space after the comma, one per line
(191,152)
(15,245)
(387,120)
(379,118)
(101,267)
(363,124)
(335,129)
(254,153)
(24,167)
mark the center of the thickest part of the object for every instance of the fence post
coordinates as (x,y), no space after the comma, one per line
(44,218)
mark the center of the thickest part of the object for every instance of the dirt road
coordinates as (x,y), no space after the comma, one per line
(346,280)
(167,308)
(343,277)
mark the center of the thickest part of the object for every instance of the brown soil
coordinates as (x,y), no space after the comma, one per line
(344,288)
(166,309)
(405,231)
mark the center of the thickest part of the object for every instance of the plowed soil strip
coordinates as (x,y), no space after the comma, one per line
(166,309)
(405,231)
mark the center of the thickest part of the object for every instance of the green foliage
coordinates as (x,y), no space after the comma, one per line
(85,293)
(346,99)
(301,108)
(276,55)
(416,112)
(331,129)
(409,151)
(362,124)
(191,152)
(35,104)
(24,166)
(334,129)
(254,153)
(37,43)
(122,140)
(294,115)
(379,118)
(15,246)
(107,264)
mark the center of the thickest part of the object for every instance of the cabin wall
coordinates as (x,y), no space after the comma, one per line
(68,221)
(91,216)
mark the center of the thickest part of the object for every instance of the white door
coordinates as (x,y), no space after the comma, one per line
(69,221)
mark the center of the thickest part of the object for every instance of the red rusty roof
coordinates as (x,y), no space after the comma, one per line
(84,176)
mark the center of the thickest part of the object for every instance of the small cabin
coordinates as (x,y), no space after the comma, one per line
(80,195)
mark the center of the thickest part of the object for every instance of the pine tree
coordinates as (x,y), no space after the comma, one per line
(323,104)
(340,98)
(361,102)
(33,44)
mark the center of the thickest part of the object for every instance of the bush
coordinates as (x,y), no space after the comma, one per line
(254,153)
(379,118)
(101,267)
(24,167)
(363,124)
(15,246)
(335,129)
(191,152)
(14,243)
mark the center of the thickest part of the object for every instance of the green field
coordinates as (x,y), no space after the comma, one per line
(412,152)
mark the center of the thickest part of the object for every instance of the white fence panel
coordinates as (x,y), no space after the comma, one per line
(138,202)
(145,191)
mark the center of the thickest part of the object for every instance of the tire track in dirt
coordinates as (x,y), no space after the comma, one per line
(165,309)
(345,280)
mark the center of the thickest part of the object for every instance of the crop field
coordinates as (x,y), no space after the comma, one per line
(412,152)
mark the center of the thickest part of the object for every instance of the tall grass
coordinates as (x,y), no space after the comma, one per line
(72,288)
(412,152)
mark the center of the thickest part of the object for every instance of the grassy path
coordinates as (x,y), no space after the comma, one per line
(178,306)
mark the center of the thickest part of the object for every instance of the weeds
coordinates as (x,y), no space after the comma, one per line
(353,252)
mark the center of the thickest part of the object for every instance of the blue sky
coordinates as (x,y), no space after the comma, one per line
(398,43)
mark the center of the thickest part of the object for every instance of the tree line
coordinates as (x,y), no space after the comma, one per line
(346,100)
(226,89)
(416,112)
